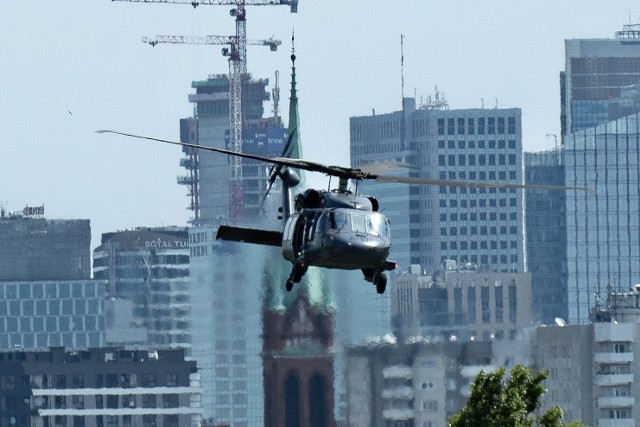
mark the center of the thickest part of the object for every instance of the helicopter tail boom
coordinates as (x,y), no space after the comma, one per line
(249,235)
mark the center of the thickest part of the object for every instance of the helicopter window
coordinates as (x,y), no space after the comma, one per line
(359,223)
(338,220)
(378,225)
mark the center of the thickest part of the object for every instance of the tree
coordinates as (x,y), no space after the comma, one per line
(495,402)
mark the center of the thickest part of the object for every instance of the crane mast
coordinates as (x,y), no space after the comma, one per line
(237,68)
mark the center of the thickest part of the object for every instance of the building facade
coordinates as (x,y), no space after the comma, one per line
(470,225)
(603,228)
(98,387)
(597,73)
(417,384)
(148,268)
(52,313)
(462,304)
(546,231)
(35,248)
(208,176)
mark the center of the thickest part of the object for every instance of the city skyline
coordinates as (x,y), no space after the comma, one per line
(76,73)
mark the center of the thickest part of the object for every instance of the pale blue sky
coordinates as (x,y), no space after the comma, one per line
(70,67)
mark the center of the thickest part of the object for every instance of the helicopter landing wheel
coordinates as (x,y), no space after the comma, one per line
(289,285)
(380,280)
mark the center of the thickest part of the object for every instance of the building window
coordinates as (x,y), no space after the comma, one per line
(149,421)
(148,400)
(112,421)
(147,380)
(470,127)
(492,125)
(78,421)
(78,402)
(501,125)
(112,402)
(60,420)
(169,400)
(172,380)
(128,401)
(112,380)
(170,420)
(77,381)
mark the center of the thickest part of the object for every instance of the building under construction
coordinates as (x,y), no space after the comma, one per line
(210,127)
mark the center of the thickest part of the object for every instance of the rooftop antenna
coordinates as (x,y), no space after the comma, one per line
(482,99)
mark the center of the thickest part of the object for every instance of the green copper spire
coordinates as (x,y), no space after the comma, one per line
(313,286)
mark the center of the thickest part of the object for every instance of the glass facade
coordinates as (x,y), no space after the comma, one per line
(431,224)
(546,236)
(603,229)
(52,314)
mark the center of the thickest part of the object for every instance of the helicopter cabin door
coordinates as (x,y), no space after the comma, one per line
(292,237)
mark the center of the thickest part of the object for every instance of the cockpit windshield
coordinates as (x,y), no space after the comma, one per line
(360,222)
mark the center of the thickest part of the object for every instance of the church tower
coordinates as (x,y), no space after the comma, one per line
(298,331)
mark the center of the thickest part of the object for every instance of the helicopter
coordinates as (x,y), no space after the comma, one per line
(336,229)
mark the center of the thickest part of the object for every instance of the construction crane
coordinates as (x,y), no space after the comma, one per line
(292,3)
(237,67)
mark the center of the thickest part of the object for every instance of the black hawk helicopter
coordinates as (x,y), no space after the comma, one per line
(330,228)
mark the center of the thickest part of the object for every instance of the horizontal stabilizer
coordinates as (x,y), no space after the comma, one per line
(249,235)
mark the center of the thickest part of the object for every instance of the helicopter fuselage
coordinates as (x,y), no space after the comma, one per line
(342,238)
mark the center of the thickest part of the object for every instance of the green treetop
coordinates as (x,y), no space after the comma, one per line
(496,402)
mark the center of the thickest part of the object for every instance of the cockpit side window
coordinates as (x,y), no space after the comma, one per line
(339,220)
(359,223)
(378,225)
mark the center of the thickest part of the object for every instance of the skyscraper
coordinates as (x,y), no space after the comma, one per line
(546,228)
(469,225)
(603,229)
(149,268)
(46,295)
(597,74)
(600,134)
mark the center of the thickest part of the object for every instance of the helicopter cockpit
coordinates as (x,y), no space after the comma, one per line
(372,223)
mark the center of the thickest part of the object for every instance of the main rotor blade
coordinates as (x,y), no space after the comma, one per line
(282,161)
(472,184)
(349,173)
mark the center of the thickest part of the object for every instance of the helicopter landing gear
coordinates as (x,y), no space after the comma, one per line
(380,280)
(298,270)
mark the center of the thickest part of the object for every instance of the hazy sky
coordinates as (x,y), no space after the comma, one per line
(70,67)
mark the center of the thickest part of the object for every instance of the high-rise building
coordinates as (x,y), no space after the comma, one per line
(98,387)
(416,384)
(603,228)
(546,228)
(597,74)
(46,295)
(208,174)
(52,313)
(600,122)
(149,269)
(463,303)
(478,226)
(35,248)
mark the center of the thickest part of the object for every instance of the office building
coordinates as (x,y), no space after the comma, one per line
(98,387)
(600,121)
(226,298)
(597,74)
(208,175)
(478,226)
(419,384)
(463,304)
(546,230)
(35,248)
(603,224)
(147,275)
(40,314)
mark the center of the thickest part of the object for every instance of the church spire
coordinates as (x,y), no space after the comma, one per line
(294,146)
